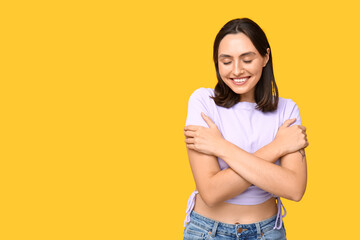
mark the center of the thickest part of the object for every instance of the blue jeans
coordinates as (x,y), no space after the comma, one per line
(203,228)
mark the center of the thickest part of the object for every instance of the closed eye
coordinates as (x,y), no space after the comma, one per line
(227,63)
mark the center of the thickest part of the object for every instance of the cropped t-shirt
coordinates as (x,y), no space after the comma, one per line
(246,127)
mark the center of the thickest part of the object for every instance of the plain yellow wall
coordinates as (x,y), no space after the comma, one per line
(94,100)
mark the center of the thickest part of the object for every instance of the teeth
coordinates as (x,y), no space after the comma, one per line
(240,80)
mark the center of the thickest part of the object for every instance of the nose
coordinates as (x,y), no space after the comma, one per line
(238,68)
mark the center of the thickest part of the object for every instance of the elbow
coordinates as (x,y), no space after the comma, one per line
(297,190)
(209,199)
(297,195)
(297,198)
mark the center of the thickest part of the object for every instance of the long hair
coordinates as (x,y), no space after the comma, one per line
(266,92)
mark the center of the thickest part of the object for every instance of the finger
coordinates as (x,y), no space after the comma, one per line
(190,146)
(302,127)
(190,140)
(288,122)
(191,128)
(209,122)
(189,133)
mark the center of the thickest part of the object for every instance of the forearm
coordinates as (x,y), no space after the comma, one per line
(227,183)
(270,153)
(264,174)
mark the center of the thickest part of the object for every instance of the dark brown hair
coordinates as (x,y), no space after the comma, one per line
(266,92)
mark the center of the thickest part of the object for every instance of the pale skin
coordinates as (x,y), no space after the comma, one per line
(239,58)
(209,141)
(215,185)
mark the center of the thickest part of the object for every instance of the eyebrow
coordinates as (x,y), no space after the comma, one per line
(242,55)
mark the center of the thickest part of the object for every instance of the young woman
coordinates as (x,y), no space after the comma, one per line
(245,143)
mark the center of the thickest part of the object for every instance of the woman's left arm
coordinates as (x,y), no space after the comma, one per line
(287,180)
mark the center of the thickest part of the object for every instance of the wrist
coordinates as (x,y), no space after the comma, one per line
(220,149)
(277,148)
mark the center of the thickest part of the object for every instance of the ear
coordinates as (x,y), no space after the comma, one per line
(267,56)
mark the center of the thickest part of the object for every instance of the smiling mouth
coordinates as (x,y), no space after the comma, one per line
(239,81)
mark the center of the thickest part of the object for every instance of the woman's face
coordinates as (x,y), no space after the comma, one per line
(240,65)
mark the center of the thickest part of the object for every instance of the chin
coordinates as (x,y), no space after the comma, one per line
(248,87)
(239,90)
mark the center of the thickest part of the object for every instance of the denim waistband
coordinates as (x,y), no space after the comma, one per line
(279,216)
(245,230)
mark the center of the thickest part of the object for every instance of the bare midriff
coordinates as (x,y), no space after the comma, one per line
(236,214)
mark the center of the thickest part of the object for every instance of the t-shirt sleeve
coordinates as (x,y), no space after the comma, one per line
(198,102)
(292,111)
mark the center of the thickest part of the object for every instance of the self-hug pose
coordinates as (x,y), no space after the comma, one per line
(245,143)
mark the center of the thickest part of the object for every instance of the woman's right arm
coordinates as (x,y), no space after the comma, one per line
(216,185)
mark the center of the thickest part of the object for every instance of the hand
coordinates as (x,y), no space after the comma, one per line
(291,139)
(202,139)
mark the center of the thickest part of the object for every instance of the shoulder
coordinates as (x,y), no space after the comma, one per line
(286,104)
(202,95)
(289,109)
(200,101)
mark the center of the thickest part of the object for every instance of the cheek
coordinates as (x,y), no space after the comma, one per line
(256,69)
(223,71)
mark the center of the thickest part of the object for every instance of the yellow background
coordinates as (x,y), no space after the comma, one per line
(94,100)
